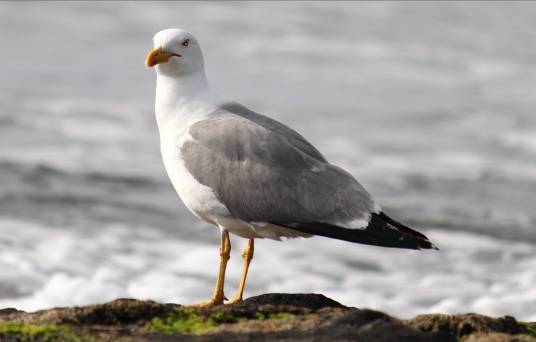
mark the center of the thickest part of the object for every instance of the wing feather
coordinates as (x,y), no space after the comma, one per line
(266,174)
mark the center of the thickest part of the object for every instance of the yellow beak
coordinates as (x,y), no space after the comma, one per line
(157,56)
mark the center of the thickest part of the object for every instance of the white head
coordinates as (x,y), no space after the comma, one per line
(175,53)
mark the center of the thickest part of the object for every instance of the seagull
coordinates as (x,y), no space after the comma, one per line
(250,175)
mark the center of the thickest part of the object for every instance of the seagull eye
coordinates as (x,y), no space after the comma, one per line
(186,42)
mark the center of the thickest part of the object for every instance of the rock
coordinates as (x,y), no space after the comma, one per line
(119,311)
(309,301)
(497,337)
(465,324)
(269,317)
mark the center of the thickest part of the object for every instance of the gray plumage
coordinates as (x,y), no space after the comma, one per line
(263,171)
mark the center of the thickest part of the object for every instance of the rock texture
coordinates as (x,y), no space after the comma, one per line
(269,317)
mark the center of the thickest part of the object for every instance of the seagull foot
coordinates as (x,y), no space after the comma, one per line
(234,301)
(215,301)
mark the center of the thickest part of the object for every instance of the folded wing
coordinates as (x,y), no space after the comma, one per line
(263,171)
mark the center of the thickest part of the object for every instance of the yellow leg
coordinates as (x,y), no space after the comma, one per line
(225,251)
(247,255)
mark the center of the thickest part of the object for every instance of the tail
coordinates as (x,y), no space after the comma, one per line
(381,231)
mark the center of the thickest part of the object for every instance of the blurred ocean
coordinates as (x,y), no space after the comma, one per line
(430,105)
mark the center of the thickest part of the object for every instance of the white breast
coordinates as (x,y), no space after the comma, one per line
(174,132)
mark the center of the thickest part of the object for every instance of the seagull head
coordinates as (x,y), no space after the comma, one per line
(175,52)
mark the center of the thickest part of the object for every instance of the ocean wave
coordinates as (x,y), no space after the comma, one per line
(41,172)
(49,195)
(521,139)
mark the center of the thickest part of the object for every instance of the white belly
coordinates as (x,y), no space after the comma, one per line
(198,198)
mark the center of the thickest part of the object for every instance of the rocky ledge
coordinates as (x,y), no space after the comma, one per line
(281,317)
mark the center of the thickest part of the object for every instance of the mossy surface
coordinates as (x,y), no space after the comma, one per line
(275,315)
(530,328)
(181,321)
(186,320)
(41,332)
(269,317)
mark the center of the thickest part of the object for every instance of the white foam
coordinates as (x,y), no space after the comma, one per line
(58,267)
(521,139)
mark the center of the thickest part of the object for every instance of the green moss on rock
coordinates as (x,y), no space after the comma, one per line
(182,320)
(225,318)
(280,315)
(187,320)
(40,332)
(530,328)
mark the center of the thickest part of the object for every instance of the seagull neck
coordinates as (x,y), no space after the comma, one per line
(180,88)
(182,100)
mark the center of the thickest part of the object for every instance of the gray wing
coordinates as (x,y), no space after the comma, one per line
(293,137)
(264,171)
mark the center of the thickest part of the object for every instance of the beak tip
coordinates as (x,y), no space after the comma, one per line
(149,62)
(158,56)
(152,58)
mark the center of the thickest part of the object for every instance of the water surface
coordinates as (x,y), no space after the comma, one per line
(430,105)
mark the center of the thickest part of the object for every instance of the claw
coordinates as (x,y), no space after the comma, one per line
(214,301)
(234,301)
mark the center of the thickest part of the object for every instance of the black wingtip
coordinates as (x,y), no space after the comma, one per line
(381,231)
(380,222)
(430,246)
